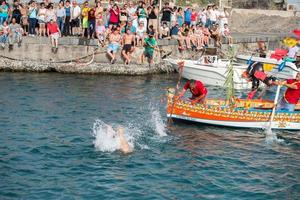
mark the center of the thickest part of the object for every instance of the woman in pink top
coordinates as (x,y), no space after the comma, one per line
(114,15)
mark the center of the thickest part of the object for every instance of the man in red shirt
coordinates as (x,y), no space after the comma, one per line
(292,94)
(54,34)
(197,89)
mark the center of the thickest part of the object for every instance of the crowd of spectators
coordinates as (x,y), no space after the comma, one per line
(120,25)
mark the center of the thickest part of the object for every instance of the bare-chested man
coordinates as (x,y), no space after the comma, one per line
(128,45)
(114,44)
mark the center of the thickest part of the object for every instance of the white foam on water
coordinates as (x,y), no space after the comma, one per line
(271,136)
(157,122)
(106,138)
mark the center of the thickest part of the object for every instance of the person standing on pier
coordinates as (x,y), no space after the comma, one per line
(128,44)
(198,90)
(150,44)
(54,34)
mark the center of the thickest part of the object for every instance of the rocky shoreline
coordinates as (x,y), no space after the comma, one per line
(10,65)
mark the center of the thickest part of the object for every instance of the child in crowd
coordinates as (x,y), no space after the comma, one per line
(100,32)
(226,34)
(140,34)
(4,30)
(164,31)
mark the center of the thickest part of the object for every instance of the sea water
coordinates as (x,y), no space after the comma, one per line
(58,141)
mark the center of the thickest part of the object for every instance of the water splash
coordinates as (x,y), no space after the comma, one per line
(157,122)
(271,137)
(106,138)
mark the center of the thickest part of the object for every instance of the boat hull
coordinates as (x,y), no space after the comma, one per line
(237,124)
(211,74)
(289,71)
(239,117)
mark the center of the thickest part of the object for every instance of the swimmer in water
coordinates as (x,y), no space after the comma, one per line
(124,146)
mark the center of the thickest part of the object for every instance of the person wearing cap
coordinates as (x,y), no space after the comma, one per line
(198,90)
(291,95)
(150,45)
(54,33)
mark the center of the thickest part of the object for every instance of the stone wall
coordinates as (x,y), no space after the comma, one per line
(264,21)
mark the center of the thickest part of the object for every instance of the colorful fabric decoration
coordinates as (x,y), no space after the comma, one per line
(279,54)
(297,32)
(290,42)
(268,67)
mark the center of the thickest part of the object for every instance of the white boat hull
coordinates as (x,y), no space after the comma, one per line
(212,74)
(289,71)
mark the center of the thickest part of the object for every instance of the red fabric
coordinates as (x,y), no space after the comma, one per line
(114,18)
(277,57)
(198,90)
(279,54)
(297,32)
(292,95)
(91,14)
(260,75)
(194,16)
(53,28)
(251,94)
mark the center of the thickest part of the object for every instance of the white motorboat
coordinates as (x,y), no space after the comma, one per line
(289,71)
(212,71)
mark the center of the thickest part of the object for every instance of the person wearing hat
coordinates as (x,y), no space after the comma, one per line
(198,90)
(150,44)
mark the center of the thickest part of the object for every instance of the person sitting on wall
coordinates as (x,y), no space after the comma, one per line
(291,95)
(198,90)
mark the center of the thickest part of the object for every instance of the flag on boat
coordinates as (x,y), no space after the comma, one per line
(279,54)
(297,32)
(290,42)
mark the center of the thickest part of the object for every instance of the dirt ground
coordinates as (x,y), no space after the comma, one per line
(259,23)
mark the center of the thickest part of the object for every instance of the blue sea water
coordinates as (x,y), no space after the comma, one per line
(54,144)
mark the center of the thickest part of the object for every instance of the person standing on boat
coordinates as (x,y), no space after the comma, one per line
(291,95)
(198,90)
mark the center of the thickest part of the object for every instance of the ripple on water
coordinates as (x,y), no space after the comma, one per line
(47,150)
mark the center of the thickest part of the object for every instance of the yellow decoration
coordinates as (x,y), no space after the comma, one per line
(290,42)
(268,67)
